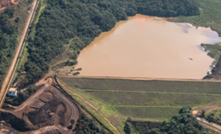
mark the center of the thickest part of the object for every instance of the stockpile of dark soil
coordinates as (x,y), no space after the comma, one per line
(145,127)
(16,123)
(48,114)
(51,113)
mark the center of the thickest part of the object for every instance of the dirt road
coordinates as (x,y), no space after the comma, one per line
(73,114)
(213,126)
(89,104)
(7,81)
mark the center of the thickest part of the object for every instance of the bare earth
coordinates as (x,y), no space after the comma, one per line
(48,110)
(7,3)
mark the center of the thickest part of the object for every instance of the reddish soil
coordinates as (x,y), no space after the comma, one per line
(7,3)
(46,111)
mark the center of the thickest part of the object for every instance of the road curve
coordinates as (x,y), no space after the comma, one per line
(6,83)
(89,104)
(75,112)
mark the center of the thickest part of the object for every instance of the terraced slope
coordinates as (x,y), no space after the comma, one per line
(142,99)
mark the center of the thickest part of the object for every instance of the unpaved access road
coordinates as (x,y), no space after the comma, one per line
(7,81)
(74,112)
(213,126)
(89,104)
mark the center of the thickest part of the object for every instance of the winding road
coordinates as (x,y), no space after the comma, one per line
(75,112)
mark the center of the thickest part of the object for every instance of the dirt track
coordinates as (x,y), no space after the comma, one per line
(210,127)
(90,106)
(6,83)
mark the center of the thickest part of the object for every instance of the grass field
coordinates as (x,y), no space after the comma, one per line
(143,100)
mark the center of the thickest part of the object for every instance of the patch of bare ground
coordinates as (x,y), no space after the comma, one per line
(7,3)
(209,107)
(46,111)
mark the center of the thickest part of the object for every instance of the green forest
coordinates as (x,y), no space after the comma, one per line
(87,125)
(8,40)
(65,21)
(182,123)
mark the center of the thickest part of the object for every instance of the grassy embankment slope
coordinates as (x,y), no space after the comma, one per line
(142,100)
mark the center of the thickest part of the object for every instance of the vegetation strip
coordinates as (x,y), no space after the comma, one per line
(8,79)
(144,99)
(151,92)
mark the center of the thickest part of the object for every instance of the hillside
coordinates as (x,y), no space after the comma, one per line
(12,22)
(155,100)
(64,27)
(8,40)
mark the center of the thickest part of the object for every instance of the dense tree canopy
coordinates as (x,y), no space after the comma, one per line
(87,125)
(184,123)
(8,40)
(83,20)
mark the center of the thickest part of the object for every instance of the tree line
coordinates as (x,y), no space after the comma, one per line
(83,20)
(8,40)
(183,123)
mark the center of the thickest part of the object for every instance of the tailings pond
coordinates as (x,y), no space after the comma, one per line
(145,46)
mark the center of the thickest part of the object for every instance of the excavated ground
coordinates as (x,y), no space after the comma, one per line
(7,3)
(47,111)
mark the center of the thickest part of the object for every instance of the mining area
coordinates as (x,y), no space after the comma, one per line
(47,111)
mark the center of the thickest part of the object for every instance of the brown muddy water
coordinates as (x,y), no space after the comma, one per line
(145,46)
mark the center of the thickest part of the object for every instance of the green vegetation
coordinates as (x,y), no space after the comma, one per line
(210,15)
(183,123)
(213,115)
(59,21)
(12,22)
(8,40)
(86,125)
(214,51)
(148,113)
(142,100)
(144,127)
